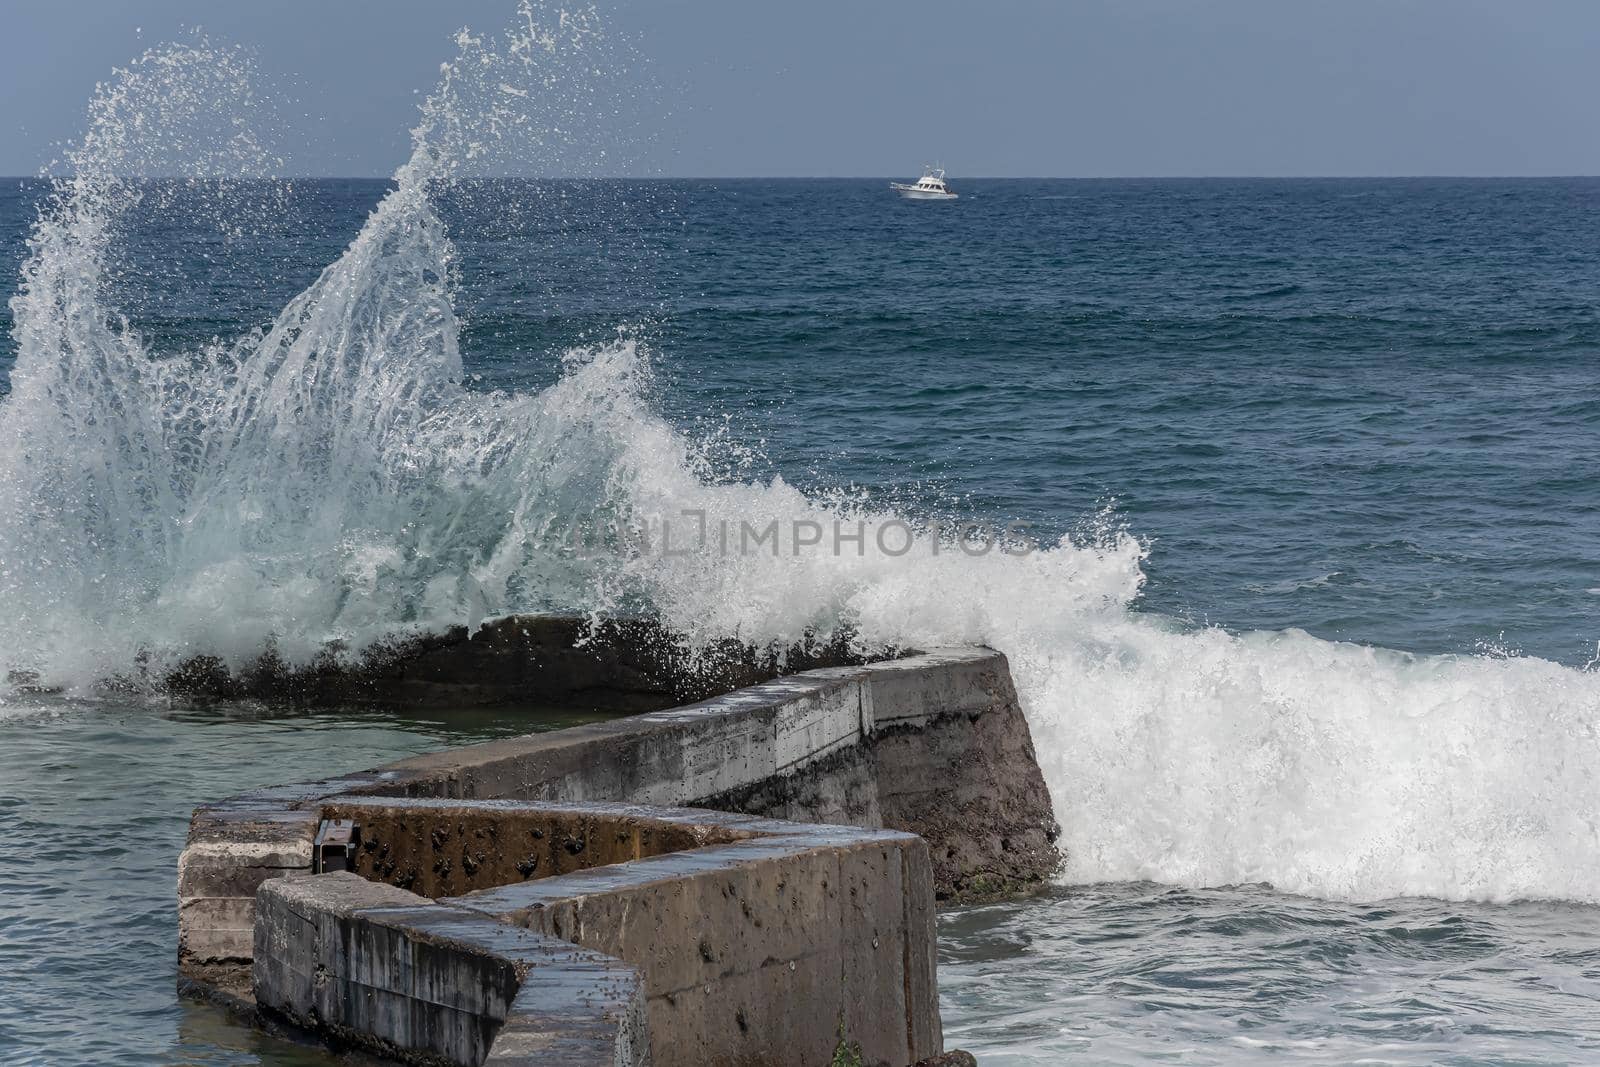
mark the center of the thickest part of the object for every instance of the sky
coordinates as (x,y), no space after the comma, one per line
(1067,88)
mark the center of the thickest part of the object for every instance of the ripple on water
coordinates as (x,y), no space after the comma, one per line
(88,863)
(1137,973)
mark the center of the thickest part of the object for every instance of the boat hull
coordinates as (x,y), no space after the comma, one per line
(910,192)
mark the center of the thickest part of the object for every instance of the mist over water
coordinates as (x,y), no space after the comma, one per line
(333,478)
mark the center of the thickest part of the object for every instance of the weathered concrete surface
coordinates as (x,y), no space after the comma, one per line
(662,757)
(383,969)
(448,848)
(234,845)
(935,744)
(731,937)
(946,754)
(225,862)
(725,937)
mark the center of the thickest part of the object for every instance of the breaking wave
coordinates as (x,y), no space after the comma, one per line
(330,479)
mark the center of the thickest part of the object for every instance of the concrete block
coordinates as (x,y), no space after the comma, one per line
(234,847)
(730,938)
(815,725)
(236,868)
(941,682)
(215,929)
(382,968)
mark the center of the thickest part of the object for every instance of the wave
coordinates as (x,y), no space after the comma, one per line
(330,479)
(1270,293)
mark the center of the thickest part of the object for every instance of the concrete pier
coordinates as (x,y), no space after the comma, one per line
(762,866)
(394,973)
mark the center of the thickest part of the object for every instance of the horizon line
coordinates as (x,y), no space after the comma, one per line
(862,177)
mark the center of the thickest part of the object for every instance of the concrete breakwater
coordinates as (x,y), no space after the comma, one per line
(750,878)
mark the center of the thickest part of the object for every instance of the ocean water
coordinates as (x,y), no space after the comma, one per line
(96,800)
(1302,607)
(1361,408)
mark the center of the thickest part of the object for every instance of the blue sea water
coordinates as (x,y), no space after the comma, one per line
(1369,409)
(1364,409)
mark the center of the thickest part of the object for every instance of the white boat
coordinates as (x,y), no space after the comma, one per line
(930,186)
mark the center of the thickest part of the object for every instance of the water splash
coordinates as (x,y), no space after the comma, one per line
(325,479)
(329,479)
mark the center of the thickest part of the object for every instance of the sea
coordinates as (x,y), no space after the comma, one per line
(1279,495)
